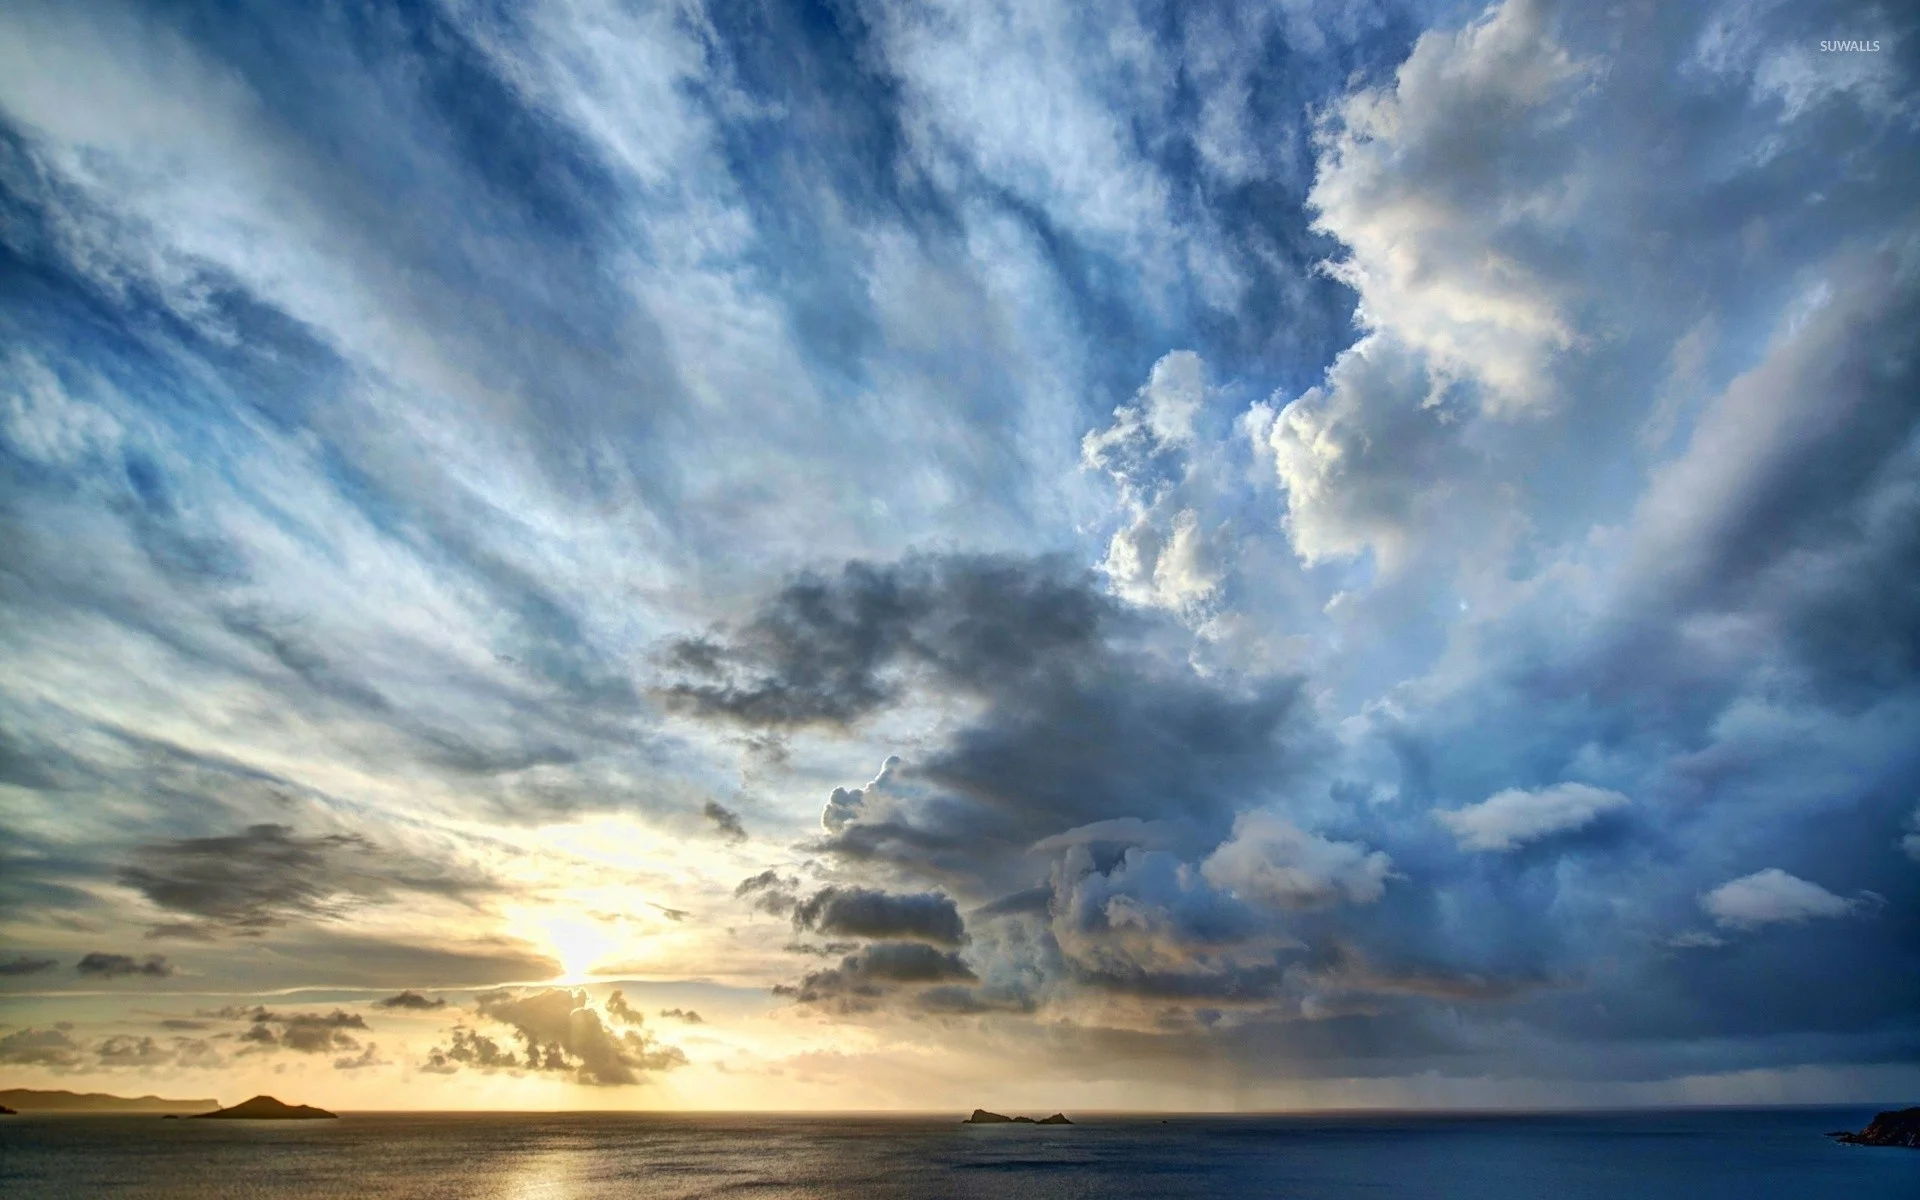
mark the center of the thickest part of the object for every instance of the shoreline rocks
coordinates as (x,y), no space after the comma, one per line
(1895,1127)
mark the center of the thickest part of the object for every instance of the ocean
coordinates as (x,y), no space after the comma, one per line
(1648,1155)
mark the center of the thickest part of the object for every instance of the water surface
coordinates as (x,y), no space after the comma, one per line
(1695,1154)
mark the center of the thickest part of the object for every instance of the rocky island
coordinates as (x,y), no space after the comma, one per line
(1895,1127)
(982,1117)
(265,1108)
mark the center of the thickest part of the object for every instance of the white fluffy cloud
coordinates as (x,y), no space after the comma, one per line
(1161,556)
(1514,817)
(1404,180)
(1772,897)
(1363,456)
(1269,860)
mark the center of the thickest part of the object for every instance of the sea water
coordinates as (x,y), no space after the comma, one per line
(1696,1154)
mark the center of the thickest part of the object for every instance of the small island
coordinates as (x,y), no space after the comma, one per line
(982,1117)
(265,1108)
(1899,1127)
(7,1112)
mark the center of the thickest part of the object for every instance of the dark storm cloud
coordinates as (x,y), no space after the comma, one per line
(866,978)
(269,876)
(821,649)
(867,913)
(21,964)
(101,965)
(411,1001)
(725,821)
(1085,716)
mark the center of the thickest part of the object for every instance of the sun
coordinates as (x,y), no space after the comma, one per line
(578,943)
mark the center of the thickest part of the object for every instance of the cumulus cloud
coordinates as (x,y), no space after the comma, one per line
(1271,861)
(302,1033)
(369,1056)
(1516,816)
(123,1050)
(847,804)
(559,1031)
(1772,897)
(101,965)
(1148,923)
(1366,458)
(39,1048)
(411,1001)
(1406,170)
(686,1015)
(1160,555)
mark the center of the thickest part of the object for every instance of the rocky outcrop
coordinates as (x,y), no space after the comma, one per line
(982,1117)
(266,1108)
(1898,1127)
(7,1112)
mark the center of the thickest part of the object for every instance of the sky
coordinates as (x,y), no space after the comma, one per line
(884,555)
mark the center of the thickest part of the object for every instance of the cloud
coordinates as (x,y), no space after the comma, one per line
(865,978)
(1910,843)
(846,804)
(119,966)
(687,1015)
(726,821)
(1514,817)
(1160,555)
(1772,897)
(559,1031)
(819,651)
(303,1033)
(369,1056)
(39,1048)
(122,1050)
(21,964)
(411,1001)
(1078,709)
(618,1008)
(867,913)
(772,892)
(1366,458)
(269,876)
(1403,175)
(1270,861)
